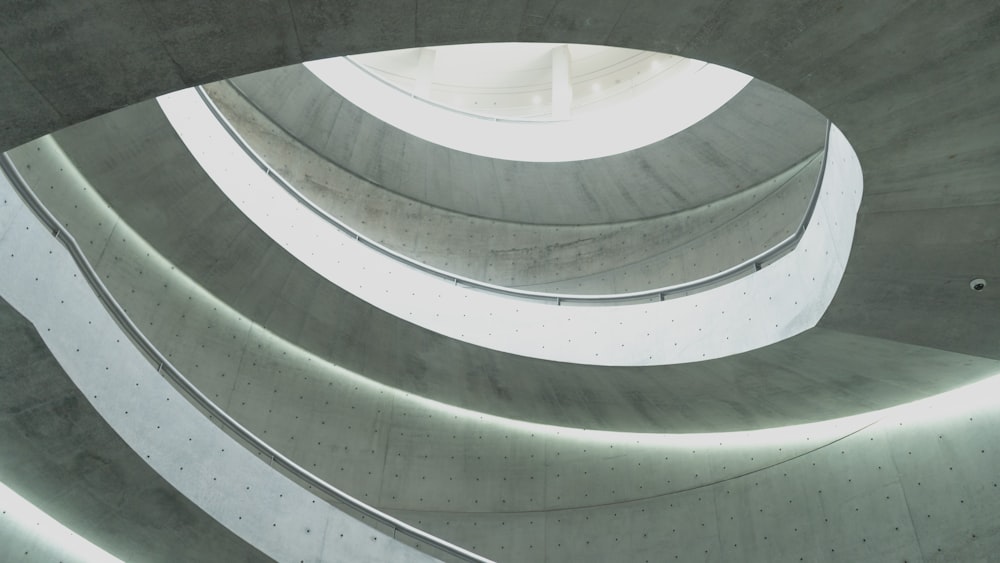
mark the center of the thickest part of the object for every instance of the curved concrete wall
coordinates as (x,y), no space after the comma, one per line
(205,493)
(921,117)
(58,453)
(588,259)
(786,298)
(517,491)
(223,252)
(759,133)
(912,85)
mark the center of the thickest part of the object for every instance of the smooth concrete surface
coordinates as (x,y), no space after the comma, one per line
(58,453)
(915,486)
(786,298)
(237,262)
(790,382)
(577,259)
(516,491)
(756,135)
(170,485)
(912,85)
(29,534)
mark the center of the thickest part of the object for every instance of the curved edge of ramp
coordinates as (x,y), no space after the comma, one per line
(232,485)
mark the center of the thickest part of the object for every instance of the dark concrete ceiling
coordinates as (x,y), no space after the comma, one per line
(914,86)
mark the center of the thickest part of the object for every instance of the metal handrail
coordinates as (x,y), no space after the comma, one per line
(747,266)
(166,368)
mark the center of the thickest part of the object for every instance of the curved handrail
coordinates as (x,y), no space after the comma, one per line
(746,267)
(167,369)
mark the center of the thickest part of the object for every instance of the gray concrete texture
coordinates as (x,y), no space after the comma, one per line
(60,454)
(227,255)
(414,459)
(524,494)
(170,435)
(912,85)
(605,258)
(758,134)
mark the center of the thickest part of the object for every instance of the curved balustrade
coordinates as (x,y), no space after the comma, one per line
(746,267)
(200,399)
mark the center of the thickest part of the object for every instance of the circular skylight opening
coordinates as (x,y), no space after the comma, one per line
(533,102)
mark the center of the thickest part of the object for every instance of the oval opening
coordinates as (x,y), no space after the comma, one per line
(533,102)
(339,167)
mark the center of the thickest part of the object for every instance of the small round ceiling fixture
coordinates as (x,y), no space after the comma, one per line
(977,284)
